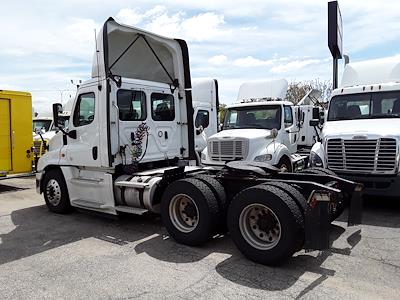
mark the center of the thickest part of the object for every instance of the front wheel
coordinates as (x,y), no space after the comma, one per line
(55,192)
(285,165)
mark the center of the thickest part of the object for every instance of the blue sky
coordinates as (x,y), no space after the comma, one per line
(45,44)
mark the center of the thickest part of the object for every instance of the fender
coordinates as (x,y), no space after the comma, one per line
(318,149)
(277,150)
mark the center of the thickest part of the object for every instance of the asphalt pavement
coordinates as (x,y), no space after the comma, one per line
(87,256)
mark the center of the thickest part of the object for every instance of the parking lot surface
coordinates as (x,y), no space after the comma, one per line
(87,256)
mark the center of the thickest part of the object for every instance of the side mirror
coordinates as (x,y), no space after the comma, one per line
(199,130)
(57,110)
(274,133)
(322,117)
(314,122)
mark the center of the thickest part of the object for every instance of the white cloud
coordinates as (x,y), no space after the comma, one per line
(218,60)
(293,65)
(203,27)
(199,27)
(129,16)
(250,61)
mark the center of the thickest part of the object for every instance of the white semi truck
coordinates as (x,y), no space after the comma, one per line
(129,148)
(361,135)
(206,107)
(264,128)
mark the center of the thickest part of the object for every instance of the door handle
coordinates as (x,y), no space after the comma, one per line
(95,152)
(13,140)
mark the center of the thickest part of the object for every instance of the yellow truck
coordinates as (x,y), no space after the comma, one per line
(15,132)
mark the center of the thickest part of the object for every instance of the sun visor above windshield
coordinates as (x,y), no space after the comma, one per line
(133,53)
(274,89)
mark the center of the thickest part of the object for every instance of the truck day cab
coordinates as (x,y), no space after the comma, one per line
(361,135)
(110,161)
(262,127)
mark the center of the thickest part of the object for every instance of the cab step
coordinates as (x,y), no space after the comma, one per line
(131,210)
(87,204)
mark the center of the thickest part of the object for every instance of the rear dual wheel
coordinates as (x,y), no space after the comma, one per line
(190,212)
(265,223)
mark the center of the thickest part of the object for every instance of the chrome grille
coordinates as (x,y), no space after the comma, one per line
(362,155)
(38,148)
(228,150)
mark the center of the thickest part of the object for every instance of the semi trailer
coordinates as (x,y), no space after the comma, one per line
(117,159)
(15,133)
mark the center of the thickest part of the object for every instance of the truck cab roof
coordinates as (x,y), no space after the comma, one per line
(260,103)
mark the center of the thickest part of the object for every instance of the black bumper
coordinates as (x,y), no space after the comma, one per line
(388,186)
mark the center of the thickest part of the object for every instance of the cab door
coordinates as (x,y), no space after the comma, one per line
(165,125)
(202,127)
(158,109)
(291,132)
(84,149)
(5,136)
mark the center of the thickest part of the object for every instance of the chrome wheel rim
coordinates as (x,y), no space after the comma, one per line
(53,192)
(184,213)
(260,226)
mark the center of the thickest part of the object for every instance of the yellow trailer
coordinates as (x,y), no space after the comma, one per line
(15,132)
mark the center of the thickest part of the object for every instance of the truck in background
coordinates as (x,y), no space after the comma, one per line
(206,108)
(361,135)
(263,127)
(15,133)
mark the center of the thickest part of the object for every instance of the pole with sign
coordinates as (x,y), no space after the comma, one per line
(335,37)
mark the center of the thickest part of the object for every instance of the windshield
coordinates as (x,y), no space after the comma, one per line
(365,106)
(41,124)
(266,117)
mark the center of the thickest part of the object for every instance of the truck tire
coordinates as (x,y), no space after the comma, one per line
(301,203)
(55,192)
(265,222)
(189,211)
(285,165)
(220,194)
(319,171)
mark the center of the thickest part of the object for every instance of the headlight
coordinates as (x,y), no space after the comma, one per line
(264,157)
(315,160)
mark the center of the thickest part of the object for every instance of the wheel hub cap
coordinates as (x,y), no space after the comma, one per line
(53,192)
(183,213)
(259,226)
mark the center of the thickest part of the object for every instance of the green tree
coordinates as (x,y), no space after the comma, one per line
(222,111)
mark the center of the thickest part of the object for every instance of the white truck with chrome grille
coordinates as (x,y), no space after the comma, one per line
(263,127)
(130,148)
(361,135)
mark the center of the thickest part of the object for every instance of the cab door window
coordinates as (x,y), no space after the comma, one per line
(131,105)
(84,110)
(162,107)
(288,119)
(202,119)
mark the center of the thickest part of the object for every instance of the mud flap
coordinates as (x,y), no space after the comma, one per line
(355,207)
(317,227)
